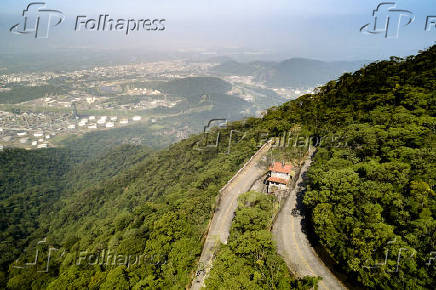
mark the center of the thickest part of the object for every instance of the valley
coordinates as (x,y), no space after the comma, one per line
(369,191)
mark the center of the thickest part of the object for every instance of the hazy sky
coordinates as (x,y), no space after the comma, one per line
(322,29)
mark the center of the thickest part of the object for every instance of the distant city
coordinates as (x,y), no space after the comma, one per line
(107,97)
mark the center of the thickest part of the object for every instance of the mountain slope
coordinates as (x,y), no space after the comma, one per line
(33,182)
(159,208)
(372,182)
(300,72)
(250,259)
(294,72)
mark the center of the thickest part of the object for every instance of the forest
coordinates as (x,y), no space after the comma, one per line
(372,193)
(17,94)
(250,260)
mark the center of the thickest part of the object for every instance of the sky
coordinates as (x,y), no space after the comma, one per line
(261,29)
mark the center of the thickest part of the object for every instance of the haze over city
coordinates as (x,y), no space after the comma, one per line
(278,29)
(226,144)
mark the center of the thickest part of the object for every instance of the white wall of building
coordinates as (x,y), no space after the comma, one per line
(280,175)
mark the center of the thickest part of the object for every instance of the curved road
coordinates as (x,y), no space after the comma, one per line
(293,244)
(221,223)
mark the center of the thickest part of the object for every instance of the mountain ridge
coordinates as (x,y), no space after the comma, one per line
(373,180)
(293,72)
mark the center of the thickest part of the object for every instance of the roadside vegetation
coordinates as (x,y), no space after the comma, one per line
(375,186)
(250,259)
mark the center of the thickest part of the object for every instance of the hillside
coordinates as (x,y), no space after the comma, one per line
(18,94)
(33,182)
(372,182)
(250,258)
(192,87)
(294,72)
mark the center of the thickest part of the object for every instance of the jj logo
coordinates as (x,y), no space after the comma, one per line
(38,20)
(388,20)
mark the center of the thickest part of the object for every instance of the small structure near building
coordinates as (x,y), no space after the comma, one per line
(279,176)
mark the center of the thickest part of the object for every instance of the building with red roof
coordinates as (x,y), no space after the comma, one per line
(280,175)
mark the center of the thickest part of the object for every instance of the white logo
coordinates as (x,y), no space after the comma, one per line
(38,20)
(388,20)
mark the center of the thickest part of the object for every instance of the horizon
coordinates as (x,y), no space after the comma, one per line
(137,140)
(320,30)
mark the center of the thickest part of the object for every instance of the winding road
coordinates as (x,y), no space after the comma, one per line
(221,223)
(288,231)
(292,242)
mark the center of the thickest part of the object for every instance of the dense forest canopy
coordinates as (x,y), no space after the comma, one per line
(375,193)
(378,186)
(33,182)
(250,259)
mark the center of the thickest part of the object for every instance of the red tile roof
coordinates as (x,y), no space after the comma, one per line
(278,167)
(278,180)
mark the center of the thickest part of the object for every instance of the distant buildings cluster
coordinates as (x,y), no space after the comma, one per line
(36,129)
